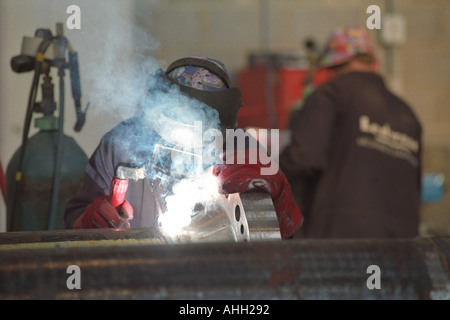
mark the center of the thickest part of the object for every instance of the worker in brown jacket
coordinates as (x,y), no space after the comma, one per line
(355,147)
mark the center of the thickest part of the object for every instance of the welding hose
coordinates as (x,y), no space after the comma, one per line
(58,157)
(58,161)
(40,56)
(76,89)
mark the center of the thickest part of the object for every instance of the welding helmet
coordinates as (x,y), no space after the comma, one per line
(207,80)
(201,73)
(344,43)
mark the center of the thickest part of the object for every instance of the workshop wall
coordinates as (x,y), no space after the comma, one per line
(418,70)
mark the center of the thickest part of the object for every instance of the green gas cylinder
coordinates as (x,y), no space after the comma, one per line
(34,190)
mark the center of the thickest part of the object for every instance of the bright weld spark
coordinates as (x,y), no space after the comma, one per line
(183,135)
(180,206)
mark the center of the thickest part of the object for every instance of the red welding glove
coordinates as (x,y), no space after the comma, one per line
(101,214)
(237,178)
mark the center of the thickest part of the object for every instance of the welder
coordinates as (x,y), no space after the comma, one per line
(356,148)
(142,141)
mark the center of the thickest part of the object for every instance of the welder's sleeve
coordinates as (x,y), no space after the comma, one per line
(308,151)
(99,173)
(239,178)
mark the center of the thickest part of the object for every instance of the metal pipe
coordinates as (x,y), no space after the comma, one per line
(390,52)
(291,269)
(2,182)
(237,217)
(80,238)
(264,25)
(60,61)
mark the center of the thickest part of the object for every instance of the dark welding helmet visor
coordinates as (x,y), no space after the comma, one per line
(207,80)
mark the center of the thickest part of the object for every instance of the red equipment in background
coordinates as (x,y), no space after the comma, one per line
(268,94)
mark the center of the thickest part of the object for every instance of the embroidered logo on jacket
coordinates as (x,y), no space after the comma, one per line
(383,139)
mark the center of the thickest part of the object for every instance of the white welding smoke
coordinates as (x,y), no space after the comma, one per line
(186,127)
(117,57)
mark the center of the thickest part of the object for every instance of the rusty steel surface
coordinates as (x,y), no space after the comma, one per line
(290,269)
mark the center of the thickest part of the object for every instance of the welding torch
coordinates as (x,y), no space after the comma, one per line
(112,210)
(119,183)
